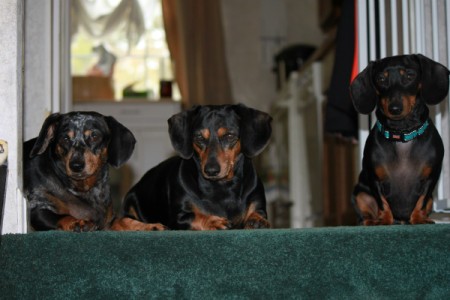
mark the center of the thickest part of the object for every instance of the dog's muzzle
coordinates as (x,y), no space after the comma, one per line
(77,163)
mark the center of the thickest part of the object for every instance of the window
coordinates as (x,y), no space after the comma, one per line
(137,68)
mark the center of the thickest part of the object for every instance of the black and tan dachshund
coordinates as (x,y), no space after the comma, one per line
(212,184)
(403,154)
(66,172)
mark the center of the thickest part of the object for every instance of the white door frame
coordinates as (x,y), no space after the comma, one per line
(11,99)
(19,83)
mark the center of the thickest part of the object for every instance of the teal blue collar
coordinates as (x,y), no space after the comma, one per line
(402,137)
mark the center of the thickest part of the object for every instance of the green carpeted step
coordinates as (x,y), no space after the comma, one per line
(386,262)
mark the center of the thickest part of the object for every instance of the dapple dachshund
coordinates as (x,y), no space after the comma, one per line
(403,154)
(212,184)
(66,172)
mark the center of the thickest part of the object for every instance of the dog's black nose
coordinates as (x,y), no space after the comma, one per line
(395,109)
(212,169)
(77,165)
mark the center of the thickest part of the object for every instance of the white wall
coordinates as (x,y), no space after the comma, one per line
(247,24)
(29,43)
(38,65)
(47,62)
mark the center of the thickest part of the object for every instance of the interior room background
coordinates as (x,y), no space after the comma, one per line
(144,60)
(218,51)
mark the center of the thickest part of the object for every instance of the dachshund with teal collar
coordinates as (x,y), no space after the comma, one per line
(403,154)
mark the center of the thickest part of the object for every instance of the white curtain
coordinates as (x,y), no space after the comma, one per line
(126,16)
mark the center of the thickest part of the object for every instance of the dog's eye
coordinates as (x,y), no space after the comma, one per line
(229,137)
(199,139)
(381,79)
(94,136)
(410,75)
(66,139)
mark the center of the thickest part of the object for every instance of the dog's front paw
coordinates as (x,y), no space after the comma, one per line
(418,221)
(69,223)
(217,223)
(420,213)
(256,221)
(210,222)
(128,224)
(155,227)
(371,213)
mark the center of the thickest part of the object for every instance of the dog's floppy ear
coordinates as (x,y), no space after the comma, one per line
(362,91)
(180,132)
(255,129)
(46,135)
(434,80)
(122,142)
